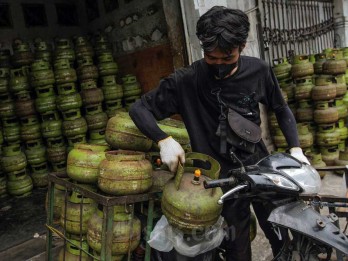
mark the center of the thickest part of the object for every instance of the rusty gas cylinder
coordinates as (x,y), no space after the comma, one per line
(43,51)
(320,58)
(41,74)
(272,120)
(281,68)
(11,130)
(79,209)
(102,45)
(92,96)
(113,107)
(329,154)
(93,109)
(69,102)
(341,108)
(342,129)
(303,89)
(111,89)
(86,70)
(3,187)
(301,66)
(125,172)
(288,86)
(13,159)
(316,161)
(64,51)
(342,160)
(66,88)
(30,131)
(59,200)
(63,72)
(7,109)
(325,113)
(45,104)
(107,65)
(131,87)
(22,55)
(327,135)
(25,107)
(19,184)
(88,84)
(56,154)
(51,129)
(97,121)
(97,137)
(324,89)
(71,251)
(279,139)
(83,162)
(39,174)
(125,231)
(121,133)
(304,111)
(36,156)
(5,58)
(72,128)
(185,203)
(304,135)
(335,64)
(83,48)
(19,81)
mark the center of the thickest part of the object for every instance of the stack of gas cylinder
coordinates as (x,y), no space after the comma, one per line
(316,91)
(109,173)
(53,98)
(128,169)
(17,113)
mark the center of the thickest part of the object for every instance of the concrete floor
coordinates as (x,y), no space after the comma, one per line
(34,249)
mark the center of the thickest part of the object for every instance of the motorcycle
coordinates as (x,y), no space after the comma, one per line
(282,179)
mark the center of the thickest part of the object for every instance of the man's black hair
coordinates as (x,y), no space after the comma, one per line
(223,28)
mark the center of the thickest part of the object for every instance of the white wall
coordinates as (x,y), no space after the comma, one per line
(139,33)
(341,20)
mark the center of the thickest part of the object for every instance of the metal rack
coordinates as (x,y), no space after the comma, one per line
(108,203)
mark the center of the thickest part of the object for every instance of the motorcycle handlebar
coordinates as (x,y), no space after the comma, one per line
(219,183)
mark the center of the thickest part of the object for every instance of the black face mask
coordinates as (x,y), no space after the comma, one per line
(222,70)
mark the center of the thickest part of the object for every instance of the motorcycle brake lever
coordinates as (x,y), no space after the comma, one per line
(230,192)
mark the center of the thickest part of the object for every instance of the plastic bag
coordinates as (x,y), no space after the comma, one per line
(164,238)
(158,237)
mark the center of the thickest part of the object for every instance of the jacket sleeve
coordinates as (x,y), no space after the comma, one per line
(144,119)
(287,124)
(158,104)
(285,117)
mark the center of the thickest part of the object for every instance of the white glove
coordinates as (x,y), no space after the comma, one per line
(171,152)
(297,153)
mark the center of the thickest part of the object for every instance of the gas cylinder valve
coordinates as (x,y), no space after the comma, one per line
(196,176)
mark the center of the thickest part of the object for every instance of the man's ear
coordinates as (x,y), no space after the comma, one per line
(241,47)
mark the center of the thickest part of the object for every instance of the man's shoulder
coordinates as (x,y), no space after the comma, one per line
(257,62)
(190,70)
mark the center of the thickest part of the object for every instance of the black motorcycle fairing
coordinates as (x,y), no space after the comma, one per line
(260,183)
(304,219)
(279,160)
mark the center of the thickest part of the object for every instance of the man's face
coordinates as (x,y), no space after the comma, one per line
(222,64)
(219,57)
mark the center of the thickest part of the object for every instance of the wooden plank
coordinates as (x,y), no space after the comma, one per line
(149,65)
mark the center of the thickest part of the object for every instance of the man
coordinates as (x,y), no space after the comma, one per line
(200,93)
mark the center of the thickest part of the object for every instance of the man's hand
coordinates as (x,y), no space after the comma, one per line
(171,152)
(297,153)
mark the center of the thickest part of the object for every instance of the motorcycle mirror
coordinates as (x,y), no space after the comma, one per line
(234,157)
